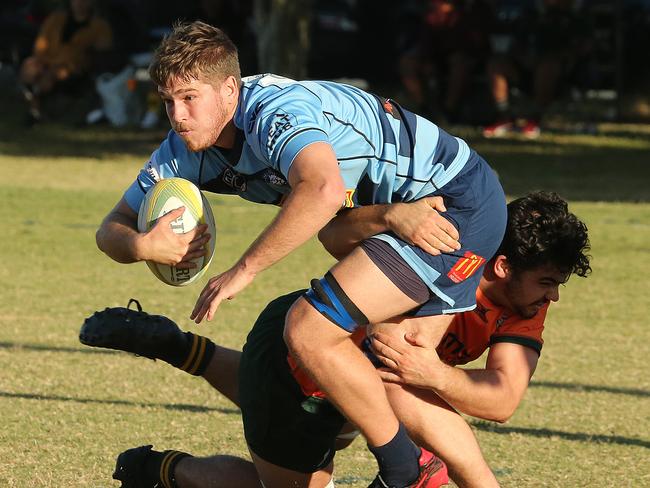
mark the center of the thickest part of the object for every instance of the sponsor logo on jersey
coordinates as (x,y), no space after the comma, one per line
(388,107)
(234,180)
(349,203)
(481,311)
(452,350)
(256,112)
(280,123)
(501,320)
(272,177)
(465,267)
(152,172)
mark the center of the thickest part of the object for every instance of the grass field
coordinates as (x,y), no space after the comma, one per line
(66,410)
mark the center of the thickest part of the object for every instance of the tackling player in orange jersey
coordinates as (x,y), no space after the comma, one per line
(544,244)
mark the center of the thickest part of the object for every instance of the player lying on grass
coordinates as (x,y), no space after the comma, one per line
(543,245)
(315,147)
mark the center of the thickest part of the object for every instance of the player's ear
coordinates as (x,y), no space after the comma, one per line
(230,87)
(501,267)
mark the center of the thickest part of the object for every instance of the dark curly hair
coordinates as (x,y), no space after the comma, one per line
(541,231)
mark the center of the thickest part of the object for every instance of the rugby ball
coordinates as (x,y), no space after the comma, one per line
(169,194)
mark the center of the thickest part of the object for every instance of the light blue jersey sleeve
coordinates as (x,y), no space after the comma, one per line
(279,123)
(171,159)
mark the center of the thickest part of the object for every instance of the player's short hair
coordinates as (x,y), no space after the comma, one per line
(195,50)
(541,231)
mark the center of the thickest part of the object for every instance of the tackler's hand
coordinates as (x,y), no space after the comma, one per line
(422,224)
(407,361)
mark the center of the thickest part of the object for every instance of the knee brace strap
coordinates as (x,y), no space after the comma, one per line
(330,300)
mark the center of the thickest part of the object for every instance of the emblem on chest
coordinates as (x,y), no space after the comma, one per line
(234,180)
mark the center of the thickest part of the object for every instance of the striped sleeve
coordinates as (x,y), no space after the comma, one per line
(280,125)
(525,332)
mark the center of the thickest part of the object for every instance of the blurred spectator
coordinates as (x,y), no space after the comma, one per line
(232,16)
(453,40)
(18,27)
(63,52)
(541,52)
(126,19)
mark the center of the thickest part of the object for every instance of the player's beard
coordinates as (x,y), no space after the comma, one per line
(515,291)
(206,137)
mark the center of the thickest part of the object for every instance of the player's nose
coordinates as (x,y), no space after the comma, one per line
(553,294)
(176,111)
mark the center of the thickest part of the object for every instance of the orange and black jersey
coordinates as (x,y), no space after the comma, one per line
(471,333)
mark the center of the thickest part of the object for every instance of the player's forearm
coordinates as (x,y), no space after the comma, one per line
(306,211)
(117,238)
(352,226)
(481,393)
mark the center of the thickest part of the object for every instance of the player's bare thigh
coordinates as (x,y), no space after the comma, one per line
(376,296)
(369,288)
(273,476)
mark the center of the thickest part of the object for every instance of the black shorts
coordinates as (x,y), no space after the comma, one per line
(281,424)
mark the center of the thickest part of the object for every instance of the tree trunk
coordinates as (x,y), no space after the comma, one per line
(283,36)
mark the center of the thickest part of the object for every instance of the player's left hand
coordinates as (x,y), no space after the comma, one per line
(407,361)
(219,288)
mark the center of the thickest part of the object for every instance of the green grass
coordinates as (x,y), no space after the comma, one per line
(67,410)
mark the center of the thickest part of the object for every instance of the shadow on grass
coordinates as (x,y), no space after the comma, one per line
(591,388)
(44,347)
(167,406)
(570,436)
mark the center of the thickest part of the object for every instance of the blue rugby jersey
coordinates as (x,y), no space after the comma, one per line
(386,154)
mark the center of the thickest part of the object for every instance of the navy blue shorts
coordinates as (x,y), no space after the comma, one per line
(476,205)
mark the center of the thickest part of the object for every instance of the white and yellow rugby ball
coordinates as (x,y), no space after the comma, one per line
(169,194)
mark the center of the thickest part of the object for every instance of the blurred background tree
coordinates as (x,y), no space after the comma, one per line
(283,36)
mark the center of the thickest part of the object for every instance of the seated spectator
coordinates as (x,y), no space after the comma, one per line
(537,58)
(453,40)
(63,51)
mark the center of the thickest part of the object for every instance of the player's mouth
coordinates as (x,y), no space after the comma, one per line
(182,131)
(538,305)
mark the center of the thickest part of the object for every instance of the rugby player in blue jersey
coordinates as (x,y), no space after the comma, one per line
(316,148)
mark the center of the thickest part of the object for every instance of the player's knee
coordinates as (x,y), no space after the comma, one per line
(308,334)
(296,335)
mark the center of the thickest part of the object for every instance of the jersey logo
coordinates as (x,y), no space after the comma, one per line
(501,320)
(234,180)
(481,311)
(256,112)
(465,267)
(388,106)
(152,172)
(452,350)
(348,199)
(280,123)
(273,177)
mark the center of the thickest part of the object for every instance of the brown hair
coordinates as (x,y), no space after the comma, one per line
(195,50)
